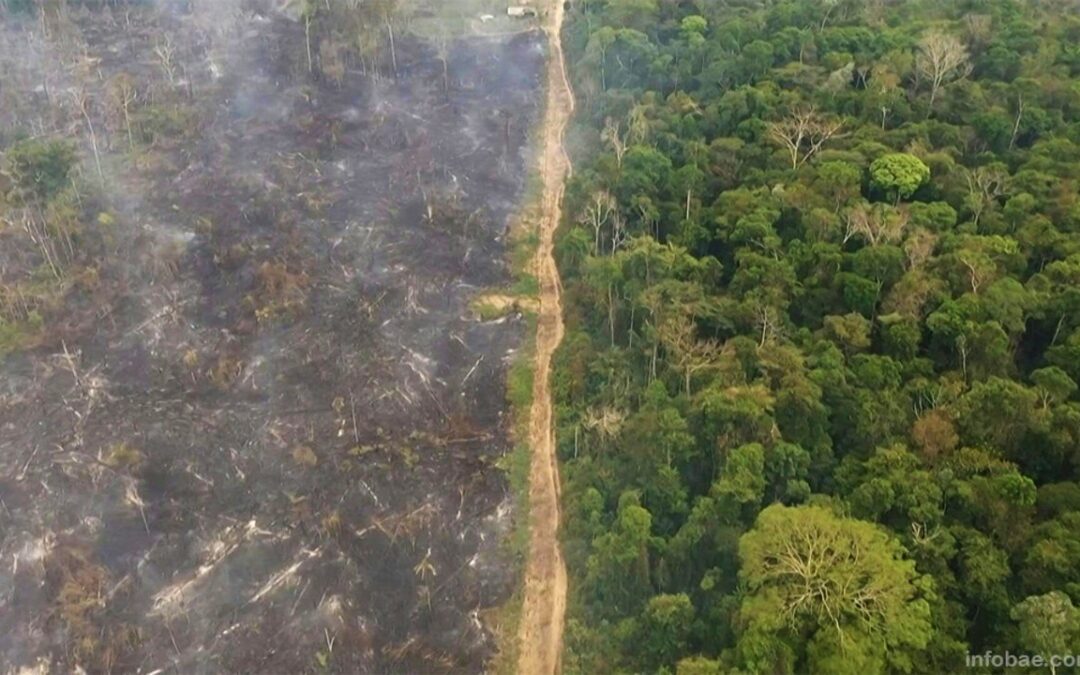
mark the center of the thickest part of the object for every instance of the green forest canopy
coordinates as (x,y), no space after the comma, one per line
(822,270)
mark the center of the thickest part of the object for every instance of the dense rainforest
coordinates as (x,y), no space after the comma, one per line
(817,402)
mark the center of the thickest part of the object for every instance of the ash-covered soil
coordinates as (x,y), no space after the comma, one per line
(263,438)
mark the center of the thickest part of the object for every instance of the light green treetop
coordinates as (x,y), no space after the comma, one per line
(899,174)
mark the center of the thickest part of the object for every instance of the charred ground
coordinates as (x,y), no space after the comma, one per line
(259,429)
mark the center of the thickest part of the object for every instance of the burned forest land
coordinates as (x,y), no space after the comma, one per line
(248,422)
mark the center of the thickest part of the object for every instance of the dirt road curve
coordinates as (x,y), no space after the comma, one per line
(545,575)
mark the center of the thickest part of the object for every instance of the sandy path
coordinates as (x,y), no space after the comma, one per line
(541,628)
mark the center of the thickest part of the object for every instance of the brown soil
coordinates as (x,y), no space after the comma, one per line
(541,628)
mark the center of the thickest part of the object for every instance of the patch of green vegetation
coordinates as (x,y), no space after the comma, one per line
(40,168)
(36,184)
(523,252)
(504,621)
(408,455)
(527,284)
(489,311)
(16,335)
(156,123)
(516,463)
(74,582)
(322,661)
(520,384)
(123,456)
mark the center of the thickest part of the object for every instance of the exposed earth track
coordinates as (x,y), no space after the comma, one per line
(541,629)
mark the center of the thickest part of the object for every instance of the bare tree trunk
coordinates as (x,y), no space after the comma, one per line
(506,131)
(393,48)
(1019,117)
(652,361)
(825,19)
(611,312)
(1057,331)
(961,345)
(80,101)
(307,41)
(94,146)
(127,123)
(41,238)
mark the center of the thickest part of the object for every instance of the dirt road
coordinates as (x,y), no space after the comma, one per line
(545,576)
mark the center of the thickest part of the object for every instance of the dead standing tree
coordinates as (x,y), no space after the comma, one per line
(597,212)
(878,224)
(613,136)
(986,185)
(308,15)
(388,12)
(767,319)
(803,133)
(941,59)
(443,41)
(122,96)
(366,24)
(54,256)
(81,101)
(691,356)
(1019,119)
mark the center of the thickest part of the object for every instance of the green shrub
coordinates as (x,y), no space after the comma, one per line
(40,168)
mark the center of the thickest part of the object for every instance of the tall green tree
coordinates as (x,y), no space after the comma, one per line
(899,174)
(828,594)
